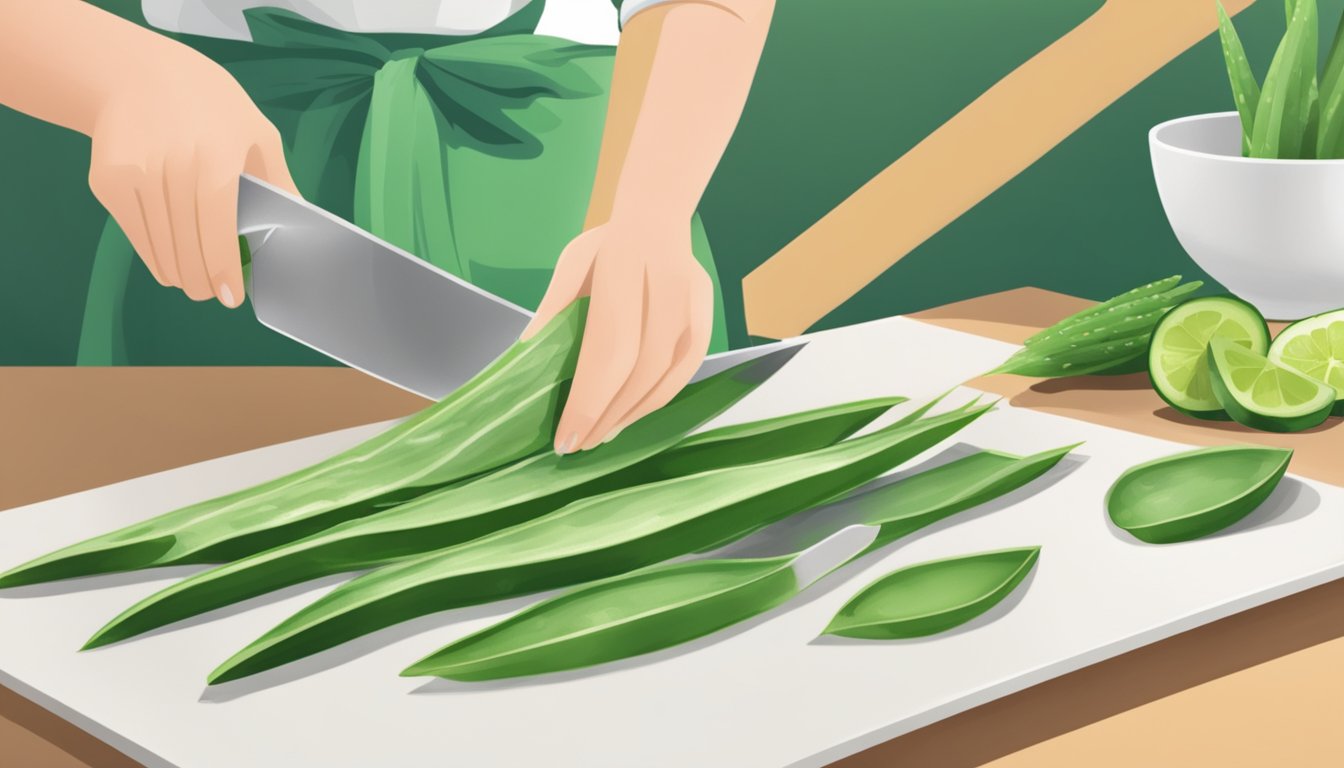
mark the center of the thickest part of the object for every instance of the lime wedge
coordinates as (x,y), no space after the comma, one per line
(1315,346)
(1178,353)
(1263,395)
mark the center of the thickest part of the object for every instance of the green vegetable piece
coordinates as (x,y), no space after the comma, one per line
(1261,395)
(933,597)
(1195,493)
(1108,340)
(905,506)
(1315,346)
(504,413)
(1142,292)
(754,441)
(1137,316)
(1287,114)
(909,418)
(591,539)
(668,604)
(1330,137)
(515,494)
(1088,358)
(1245,91)
(626,616)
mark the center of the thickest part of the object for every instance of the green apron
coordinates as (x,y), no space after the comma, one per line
(475,153)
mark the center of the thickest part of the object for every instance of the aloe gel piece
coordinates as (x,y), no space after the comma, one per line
(932,597)
(1193,494)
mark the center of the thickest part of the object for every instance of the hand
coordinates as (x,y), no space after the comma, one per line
(168,148)
(649,320)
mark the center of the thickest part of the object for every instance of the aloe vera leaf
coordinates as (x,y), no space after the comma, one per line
(1084,360)
(932,597)
(1245,91)
(590,539)
(628,615)
(1195,493)
(1106,307)
(756,441)
(909,418)
(502,414)
(922,499)
(671,603)
(1286,114)
(1330,137)
(1121,320)
(513,495)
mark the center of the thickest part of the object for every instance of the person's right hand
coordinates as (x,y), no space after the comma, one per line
(168,149)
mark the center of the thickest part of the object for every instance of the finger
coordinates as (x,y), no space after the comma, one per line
(689,354)
(687,357)
(569,282)
(217,215)
(154,211)
(115,189)
(179,180)
(610,347)
(657,350)
(266,160)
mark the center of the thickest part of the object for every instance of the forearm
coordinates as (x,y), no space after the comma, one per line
(67,84)
(682,73)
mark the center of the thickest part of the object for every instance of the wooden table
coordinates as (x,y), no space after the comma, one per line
(1258,688)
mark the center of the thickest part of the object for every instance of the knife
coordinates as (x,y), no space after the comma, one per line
(331,286)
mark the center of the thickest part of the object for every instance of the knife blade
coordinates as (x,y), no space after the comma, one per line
(364,302)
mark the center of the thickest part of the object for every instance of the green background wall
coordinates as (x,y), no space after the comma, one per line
(845,88)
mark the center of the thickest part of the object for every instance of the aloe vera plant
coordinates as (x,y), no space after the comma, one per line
(1287,116)
(668,604)
(504,413)
(1290,116)
(515,494)
(593,538)
(1105,338)
(932,597)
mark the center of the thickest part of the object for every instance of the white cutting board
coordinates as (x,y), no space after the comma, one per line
(766,693)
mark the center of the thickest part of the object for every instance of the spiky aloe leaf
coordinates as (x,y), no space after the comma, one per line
(1288,111)
(1245,91)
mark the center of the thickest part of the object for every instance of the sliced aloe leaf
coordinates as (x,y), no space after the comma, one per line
(591,539)
(922,499)
(933,597)
(1107,307)
(910,418)
(668,604)
(1287,114)
(1245,91)
(754,441)
(1196,493)
(515,494)
(504,413)
(626,616)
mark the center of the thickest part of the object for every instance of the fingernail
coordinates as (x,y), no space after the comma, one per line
(226,295)
(568,444)
(615,433)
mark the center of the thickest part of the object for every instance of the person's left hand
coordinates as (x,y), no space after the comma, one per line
(650,315)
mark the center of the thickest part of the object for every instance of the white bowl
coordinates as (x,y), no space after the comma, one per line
(1271,231)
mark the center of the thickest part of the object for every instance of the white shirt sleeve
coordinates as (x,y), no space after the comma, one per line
(630,7)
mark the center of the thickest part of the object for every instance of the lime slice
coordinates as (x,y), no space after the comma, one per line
(1263,395)
(1315,346)
(1178,353)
